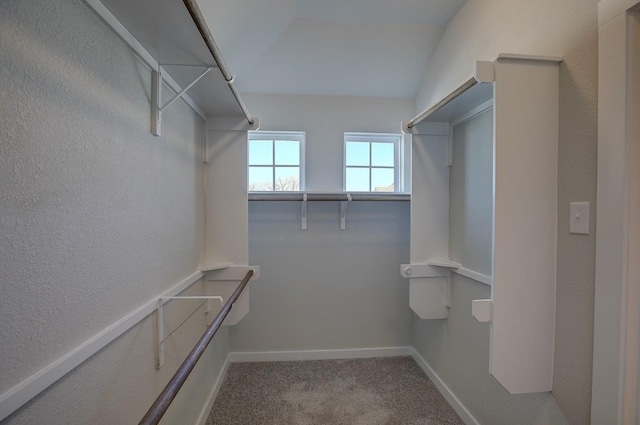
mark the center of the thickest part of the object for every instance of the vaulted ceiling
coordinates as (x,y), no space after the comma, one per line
(331,47)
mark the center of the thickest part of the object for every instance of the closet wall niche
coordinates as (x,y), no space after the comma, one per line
(484,205)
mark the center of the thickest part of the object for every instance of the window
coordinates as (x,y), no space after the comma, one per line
(276,161)
(372,162)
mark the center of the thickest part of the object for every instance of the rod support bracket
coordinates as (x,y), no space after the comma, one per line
(304,211)
(343,212)
(159,331)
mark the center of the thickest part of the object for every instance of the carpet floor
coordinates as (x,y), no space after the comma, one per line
(381,391)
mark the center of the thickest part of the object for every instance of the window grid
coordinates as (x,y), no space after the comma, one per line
(370,140)
(274,166)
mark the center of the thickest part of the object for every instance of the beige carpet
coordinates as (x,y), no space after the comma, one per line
(383,391)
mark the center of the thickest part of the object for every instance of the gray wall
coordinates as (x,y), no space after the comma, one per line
(324,288)
(480,31)
(471,193)
(97,217)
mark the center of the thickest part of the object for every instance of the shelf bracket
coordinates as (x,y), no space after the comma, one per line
(160,337)
(343,212)
(429,290)
(304,211)
(482,310)
(156,97)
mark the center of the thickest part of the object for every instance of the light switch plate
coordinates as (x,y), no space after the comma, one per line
(579,218)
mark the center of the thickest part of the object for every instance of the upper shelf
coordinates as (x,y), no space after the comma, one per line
(471,98)
(165,29)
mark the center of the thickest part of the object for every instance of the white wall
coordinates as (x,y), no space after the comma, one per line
(325,119)
(471,193)
(97,217)
(324,288)
(480,31)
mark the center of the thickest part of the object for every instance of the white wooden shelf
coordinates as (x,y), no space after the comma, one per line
(524,91)
(212,267)
(149,27)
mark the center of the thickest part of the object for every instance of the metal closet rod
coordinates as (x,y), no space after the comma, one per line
(200,23)
(160,406)
(274,196)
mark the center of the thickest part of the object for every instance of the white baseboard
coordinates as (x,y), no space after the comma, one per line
(355,353)
(204,413)
(457,405)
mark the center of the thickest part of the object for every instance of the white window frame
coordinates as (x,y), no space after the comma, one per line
(296,136)
(398,161)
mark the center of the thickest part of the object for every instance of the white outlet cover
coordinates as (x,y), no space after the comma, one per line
(579,218)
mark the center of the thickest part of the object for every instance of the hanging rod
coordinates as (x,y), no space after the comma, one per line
(272,196)
(451,96)
(200,23)
(160,406)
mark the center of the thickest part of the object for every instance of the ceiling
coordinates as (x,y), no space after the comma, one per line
(325,47)
(328,47)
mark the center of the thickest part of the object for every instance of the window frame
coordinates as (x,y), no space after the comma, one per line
(398,161)
(293,136)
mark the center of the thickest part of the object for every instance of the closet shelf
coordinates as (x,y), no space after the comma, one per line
(150,28)
(212,267)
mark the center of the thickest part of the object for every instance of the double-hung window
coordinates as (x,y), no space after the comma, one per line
(372,162)
(276,161)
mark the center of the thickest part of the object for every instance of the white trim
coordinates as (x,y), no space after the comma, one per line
(615,350)
(478,277)
(121,31)
(446,392)
(399,166)
(609,9)
(273,136)
(204,413)
(353,353)
(14,398)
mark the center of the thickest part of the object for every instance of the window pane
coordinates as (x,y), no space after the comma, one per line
(382,154)
(260,152)
(287,152)
(287,178)
(357,180)
(382,180)
(261,178)
(357,153)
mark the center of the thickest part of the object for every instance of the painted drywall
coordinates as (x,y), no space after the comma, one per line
(98,217)
(325,119)
(480,31)
(471,192)
(324,288)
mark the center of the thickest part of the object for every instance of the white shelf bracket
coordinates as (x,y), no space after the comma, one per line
(160,334)
(482,310)
(156,97)
(156,100)
(343,212)
(304,211)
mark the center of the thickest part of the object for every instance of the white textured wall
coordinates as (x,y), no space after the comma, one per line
(324,288)
(481,30)
(97,215)
(471,193)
